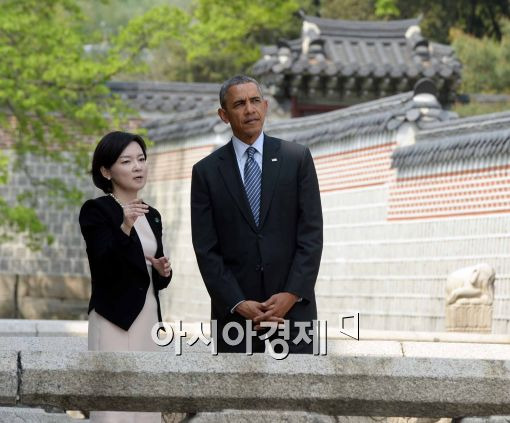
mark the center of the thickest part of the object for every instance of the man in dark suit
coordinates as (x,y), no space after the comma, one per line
(256,223)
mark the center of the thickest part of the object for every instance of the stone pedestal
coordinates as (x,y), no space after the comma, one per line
(469,318)
(469,298)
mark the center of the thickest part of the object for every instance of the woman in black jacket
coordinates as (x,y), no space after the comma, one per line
(123,236)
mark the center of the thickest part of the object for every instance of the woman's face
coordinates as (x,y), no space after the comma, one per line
(129,172)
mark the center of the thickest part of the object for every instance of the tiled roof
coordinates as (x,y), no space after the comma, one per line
(195,105)
(386,114)
(153,99)
(172,109)
(367,58)
(181,110)
(183,125)
(457,140)
(365,118)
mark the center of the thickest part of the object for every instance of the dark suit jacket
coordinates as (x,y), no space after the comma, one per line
(117,264)
(240,261)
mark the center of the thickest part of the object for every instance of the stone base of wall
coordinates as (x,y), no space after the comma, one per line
(468,318)
(53,308)
(7,300)
(44,297)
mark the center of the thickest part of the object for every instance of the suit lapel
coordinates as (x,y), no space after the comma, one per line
(229,170)
(271,162)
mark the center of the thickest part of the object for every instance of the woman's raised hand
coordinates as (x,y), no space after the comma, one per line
(132,210)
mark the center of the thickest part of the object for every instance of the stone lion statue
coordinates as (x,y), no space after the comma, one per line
(471,285)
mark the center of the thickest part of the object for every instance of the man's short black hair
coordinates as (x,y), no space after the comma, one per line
(236,80)
(108,151)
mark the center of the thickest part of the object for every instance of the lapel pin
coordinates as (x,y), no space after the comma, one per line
(156,219)
(274,159)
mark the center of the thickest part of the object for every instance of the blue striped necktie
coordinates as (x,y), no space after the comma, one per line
(252,177)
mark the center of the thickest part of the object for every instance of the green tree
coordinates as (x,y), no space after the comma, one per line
(486,62)
(386,8)
(106,18)
(217,39)
(476,17)
(357,10)
(225,36)
(54,98)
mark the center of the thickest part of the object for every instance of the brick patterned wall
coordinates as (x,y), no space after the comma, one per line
(176,163)
(466,192)
(354,169)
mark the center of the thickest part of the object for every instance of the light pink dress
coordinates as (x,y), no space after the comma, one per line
(106,336)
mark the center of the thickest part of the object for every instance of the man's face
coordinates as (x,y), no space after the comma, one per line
(245,110)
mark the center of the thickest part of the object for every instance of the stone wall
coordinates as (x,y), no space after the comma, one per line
(389,245)
(53,282)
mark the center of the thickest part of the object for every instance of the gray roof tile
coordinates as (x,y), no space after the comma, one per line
(364,49)
(161,98)
(457,139)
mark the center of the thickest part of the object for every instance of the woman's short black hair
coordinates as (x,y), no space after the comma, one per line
(108,151)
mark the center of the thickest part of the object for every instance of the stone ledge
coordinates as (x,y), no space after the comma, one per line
(35,415)
(26,327)
(39,343)
(455,350)
(334,385)
(21,327)
(8,377)
(341,348)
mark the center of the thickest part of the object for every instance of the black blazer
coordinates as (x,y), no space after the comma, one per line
(240,261)
(117,264)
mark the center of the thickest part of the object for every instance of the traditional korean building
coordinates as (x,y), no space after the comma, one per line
(338,63)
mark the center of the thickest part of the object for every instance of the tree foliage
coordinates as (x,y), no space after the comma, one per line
(357,10)
(486,62)
(476,108)
(223,37)
(54,97)
(476,17)
(106,18)
(56,64)
(216,39)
